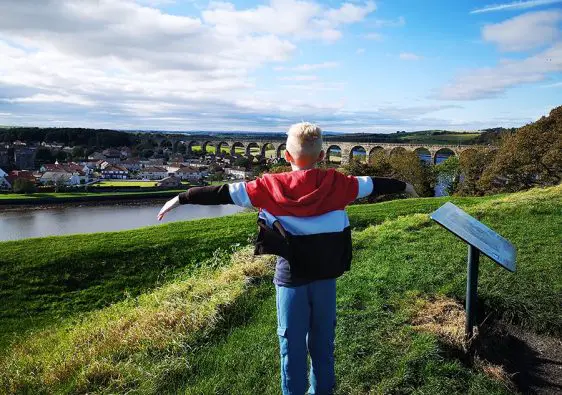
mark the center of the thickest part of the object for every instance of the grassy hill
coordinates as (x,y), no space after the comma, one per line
(440,138)
(185,308)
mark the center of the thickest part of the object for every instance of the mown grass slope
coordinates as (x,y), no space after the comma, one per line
(149,344)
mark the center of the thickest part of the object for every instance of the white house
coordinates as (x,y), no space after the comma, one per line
(188,173)
(52,177)
(153,173)
(90,165)
(80,173)
(4,183)
(238,172)
(115,172)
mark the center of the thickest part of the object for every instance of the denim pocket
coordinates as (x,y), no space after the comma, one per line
(283,341)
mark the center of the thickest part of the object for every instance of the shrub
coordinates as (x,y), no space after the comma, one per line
(22,185)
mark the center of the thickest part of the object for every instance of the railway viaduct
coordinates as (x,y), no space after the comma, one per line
(333,149)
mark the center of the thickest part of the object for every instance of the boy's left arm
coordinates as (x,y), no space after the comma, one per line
(382,186)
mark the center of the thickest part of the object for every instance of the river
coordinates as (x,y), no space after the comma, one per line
(15,225)
(21,224)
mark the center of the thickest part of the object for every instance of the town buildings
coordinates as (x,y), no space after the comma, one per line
(170,182)
(153,173)
(115,172)
(238,172)
(24,158)
(4,183)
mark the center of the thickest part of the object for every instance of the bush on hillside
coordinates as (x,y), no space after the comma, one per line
(472,164)
(405,166)
(531,157)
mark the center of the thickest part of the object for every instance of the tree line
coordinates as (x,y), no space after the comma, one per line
(91,138)
(526,157)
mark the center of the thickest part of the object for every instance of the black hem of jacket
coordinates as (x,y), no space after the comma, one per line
(311,257)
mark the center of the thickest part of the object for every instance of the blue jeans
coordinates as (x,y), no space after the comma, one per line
(306,322)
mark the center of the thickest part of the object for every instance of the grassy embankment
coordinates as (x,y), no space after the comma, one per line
(77,195)
(188,318)
(142,184)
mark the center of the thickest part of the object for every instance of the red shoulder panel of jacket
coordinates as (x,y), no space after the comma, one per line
(303,193)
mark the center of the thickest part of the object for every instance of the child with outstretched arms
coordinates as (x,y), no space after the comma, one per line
(302,220)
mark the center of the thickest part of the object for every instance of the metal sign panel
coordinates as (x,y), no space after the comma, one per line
(476,234)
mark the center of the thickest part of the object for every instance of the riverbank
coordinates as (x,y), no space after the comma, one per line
(171,309)
(52,199)
(107,203)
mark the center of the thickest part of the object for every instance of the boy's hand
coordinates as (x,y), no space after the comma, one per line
(410,190)
(169,206)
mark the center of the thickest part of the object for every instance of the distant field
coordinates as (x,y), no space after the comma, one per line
(127,183)
(269,153)
(450,138)
(67,195)
(197,148)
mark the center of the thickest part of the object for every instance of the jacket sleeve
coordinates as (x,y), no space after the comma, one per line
(373,186)
(210,195)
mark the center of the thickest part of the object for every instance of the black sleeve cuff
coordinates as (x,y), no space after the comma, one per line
(211,195)
(382,186)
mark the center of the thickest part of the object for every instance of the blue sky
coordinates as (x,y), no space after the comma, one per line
(358,66)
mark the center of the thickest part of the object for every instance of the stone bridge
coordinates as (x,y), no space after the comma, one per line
(340,151)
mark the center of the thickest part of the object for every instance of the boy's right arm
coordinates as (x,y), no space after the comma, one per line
(210,195)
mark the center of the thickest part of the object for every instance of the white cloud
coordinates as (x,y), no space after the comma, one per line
(380,23)
(156,3)
(493,81)
(292,18)
(524,32)
(299,78)
(350,13)
(115,63)
(311,88)
(409,56)
(515,5)
(52,98)
(309,66)
(374,36)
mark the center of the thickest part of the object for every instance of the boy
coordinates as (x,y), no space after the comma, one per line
(302,219)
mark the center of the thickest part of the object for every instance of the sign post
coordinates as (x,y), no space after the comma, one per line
(480,239)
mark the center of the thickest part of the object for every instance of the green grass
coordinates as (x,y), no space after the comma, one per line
(210,149)
(65,195)
(127,183)
(449,138)
(154,339)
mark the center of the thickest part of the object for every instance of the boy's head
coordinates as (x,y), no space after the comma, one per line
(304,145)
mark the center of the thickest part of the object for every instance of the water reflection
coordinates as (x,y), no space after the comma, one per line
(16,225)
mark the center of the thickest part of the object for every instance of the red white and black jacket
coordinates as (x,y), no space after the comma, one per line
(301,218)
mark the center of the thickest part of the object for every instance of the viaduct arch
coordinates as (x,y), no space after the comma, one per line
(336,152)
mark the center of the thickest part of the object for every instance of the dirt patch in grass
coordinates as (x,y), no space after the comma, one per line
(533,361)
(523,361)
(443,317)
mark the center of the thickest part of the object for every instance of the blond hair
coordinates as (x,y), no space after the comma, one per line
(304,139)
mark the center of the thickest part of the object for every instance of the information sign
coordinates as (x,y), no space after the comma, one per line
(480,238)
(476,234)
